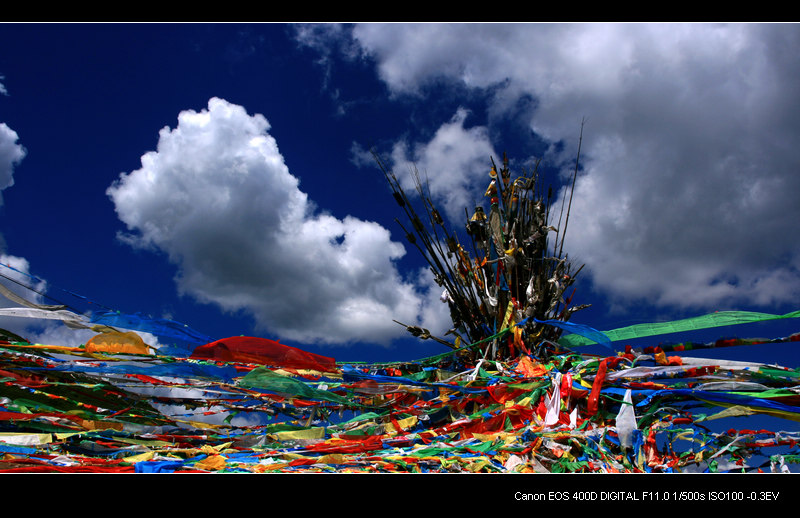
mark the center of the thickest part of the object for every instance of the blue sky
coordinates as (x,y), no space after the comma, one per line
(218,174)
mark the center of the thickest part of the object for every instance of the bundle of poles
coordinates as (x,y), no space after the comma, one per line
(503,279)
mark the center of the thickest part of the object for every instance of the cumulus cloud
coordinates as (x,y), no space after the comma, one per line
(217,197)
(11,154)
(687,195)
(454,165)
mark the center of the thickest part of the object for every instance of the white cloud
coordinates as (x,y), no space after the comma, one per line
(11,154)
(690,152)
(218,198)
(454,165)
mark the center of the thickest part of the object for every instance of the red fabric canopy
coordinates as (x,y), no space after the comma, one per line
(249,349)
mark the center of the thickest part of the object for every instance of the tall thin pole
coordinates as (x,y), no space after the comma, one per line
(572,189)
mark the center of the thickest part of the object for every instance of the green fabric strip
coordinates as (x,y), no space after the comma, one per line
(718,319)
(263,378)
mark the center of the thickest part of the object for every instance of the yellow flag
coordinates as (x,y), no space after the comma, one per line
(211,463)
